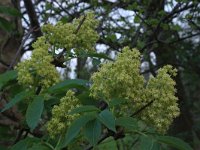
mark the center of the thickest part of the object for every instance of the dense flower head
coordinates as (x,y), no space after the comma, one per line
(61,119)
(161,91)
(38,70)
(78,35)
(122,79)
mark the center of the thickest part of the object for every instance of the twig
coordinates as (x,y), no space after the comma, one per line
(19,135)
(184,38)
(19,49)
(80,24)
(142,108)
(8,122)
(176,10)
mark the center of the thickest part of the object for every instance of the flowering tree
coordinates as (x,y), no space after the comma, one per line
(117,108)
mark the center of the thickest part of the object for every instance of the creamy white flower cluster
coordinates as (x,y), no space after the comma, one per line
(122,79)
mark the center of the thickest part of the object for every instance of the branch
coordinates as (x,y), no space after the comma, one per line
(184,38)
(19,135)
(141,109)
(33,17)
(19,49)
(80,24)
(8,122)
(194,24)
(172,13)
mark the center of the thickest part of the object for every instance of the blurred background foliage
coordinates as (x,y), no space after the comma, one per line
(165,32)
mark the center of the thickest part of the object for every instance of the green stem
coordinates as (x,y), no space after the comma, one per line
(49,145)
(57,148)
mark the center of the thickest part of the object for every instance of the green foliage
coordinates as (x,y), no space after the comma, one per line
(68,84)
(174,142)
(25,144)
(128,123)
(83,109)
(9,11)
(116,102)
(34,112)
(19,97)
(6,77)
(148,143)
(75,128)
(92,131)
(107,118)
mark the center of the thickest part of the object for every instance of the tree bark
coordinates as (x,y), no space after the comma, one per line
(10,42)
(9,45)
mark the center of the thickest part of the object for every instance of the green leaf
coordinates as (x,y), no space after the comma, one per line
(140,44)
(174,142)
(64,19)
(116,101)
(176,27)
(19,97)
(74,129)
(81,109)
(95,62)
(34,112)
(25,144)
(67,84)
(112,37)
(108,144)
(148,143)
(154,22)
(10,11)
(7,76)
(92,131)
(137,19)
(48,6)
(85,99)
(5,25)
(133,6)
(128,123)
(39,146)
(107,118)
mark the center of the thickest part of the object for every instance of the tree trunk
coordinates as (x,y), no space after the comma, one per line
(165,54)
(9,42)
